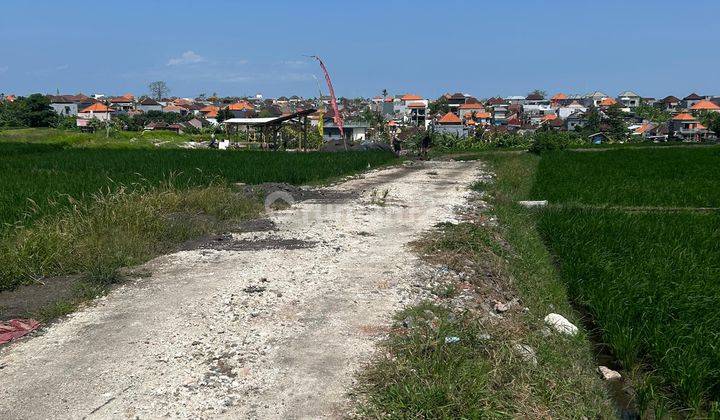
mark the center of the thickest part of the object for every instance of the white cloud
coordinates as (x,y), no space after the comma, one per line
(294,63)
(62,67)
(188,57)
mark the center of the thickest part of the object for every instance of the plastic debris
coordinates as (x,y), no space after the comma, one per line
(16,328)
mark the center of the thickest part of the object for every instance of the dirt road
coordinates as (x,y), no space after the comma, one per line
(266,324)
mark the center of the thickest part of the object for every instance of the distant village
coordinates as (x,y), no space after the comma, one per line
(456,114)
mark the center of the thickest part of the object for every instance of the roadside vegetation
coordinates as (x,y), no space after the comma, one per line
(39,179)
(74,210)
(639,251)
(453,356)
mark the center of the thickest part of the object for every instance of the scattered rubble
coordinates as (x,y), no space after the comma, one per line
(527,353)
(608,374)
(560,324)
(254,289)
(533,203)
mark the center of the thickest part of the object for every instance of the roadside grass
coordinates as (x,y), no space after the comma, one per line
(40,179)
(420,374)
(679,177)
(116,229)
(82,292)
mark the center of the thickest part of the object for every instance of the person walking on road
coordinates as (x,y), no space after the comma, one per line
(425,144)
(396,145)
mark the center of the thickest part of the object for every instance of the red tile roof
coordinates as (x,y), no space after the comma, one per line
(411,97)
(684,117)
(449,118)
(97,107)
(240,106)
(559,97)
(174,108)
(419,105)
(705,105)
(210,108)
(643,128)
(515,121)
(608,102)
(471,106)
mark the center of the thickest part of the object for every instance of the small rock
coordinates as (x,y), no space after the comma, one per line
(533,203)
(484,336)
(500,307)
(254,289)
(608,374)
(451,340)
(560,324)
(527,353)
(408,322)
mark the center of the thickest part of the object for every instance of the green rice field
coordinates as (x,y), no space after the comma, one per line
(36,179)
(74,206)
(649,277)
(676,177)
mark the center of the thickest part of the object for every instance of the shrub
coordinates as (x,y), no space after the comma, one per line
(552,140)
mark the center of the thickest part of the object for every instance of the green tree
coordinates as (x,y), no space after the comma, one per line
(711,120)
(224,114)
(538,92)
(592,120)
(439,106)
(652,113)
(33,111)
(616,121)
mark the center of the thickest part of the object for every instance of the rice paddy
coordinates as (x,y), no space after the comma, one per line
(649,277)
(67,210)
(37,179)
(672,177)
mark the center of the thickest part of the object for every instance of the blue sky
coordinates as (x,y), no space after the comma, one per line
(242,47)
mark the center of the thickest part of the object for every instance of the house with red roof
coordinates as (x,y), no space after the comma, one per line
(471,108)
(559,100)
(97,111)
(122,103)
(691,100)
(241,109)
(607,102)
(410,107)
(451,124)
(686,127)
(704,106)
